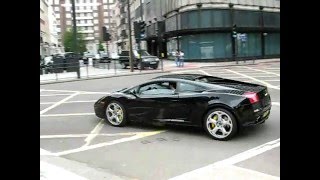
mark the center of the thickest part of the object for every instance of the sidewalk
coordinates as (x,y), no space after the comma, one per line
(102,71)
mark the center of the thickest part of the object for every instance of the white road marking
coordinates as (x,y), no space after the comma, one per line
(137,136)
(74,114)
(204,72)
(58,103)
(80,101)
(263,82)
(51,172)
(276,103)
(179,72)
(238,77)
(93,133)
(81,92)
(69,102)
(201,172)
(228,173)
(85,135)
(263,71)
(55,95)
(51,90)
(44,152)
(273,80)
(94,93)
(47,103)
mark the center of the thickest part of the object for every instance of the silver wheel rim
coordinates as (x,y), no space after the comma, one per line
(123,65)
(139,66)
(114,113)
(219,124)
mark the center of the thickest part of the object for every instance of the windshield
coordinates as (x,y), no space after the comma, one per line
(143,53)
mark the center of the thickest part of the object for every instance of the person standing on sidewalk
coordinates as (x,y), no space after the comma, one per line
(181,59)
(177,57)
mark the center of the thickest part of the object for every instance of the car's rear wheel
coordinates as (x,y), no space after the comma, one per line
(123,65)
(220,124)
(116,114)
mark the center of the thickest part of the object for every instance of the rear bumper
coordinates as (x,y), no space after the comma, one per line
(249,117)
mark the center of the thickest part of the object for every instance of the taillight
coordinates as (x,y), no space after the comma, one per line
(253,97)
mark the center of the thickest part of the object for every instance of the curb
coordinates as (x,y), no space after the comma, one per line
(165,71)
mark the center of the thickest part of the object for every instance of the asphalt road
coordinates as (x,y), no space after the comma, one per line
(91,148)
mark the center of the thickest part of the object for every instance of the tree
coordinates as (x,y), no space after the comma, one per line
(68,42)
(101,48)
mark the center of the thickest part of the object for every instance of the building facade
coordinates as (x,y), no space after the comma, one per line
(44,28)
(91,16)
(204,29)
(137,14)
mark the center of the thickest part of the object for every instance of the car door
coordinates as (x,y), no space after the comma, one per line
(154,101)
(191,102)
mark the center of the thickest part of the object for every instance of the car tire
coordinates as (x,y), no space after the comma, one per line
(123,66)
(155,67)
(140,66)
(220,124)
(116,114)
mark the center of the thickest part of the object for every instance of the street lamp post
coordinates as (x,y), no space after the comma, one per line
(75,46)
(130,38)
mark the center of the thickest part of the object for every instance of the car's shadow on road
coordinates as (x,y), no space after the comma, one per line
(197,132)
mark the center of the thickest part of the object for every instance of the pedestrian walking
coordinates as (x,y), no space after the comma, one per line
(176,54)
(181,59)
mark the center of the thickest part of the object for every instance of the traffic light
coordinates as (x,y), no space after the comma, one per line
(142,28)
(137,30)
(234,31)
(106,35)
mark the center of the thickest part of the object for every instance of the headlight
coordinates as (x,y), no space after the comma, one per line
(157,59)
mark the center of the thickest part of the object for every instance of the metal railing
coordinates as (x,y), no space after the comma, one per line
(90,69)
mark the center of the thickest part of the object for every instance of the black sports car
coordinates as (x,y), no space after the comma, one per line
(220,106)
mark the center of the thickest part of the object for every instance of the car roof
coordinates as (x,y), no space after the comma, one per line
(191,77)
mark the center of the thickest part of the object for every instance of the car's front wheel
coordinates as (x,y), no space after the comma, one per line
(220,124)
(140,66)
(115,114)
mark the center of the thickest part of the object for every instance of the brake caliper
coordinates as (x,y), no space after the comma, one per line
(215,117)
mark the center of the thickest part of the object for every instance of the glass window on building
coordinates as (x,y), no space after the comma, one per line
(207,46)
(247,18)
(205,18)
(171,47)
(184,20)
(221,18)
(171,24)
(249,44)
(271,19)
(272,44)
(193,19)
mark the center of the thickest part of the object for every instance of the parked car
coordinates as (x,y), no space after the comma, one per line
(104,58)
(86,57)
(146,60)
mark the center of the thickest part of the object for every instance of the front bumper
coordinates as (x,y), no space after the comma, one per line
(99,110)
(150,63)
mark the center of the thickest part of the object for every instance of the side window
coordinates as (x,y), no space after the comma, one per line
(158,88)
(186,87)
